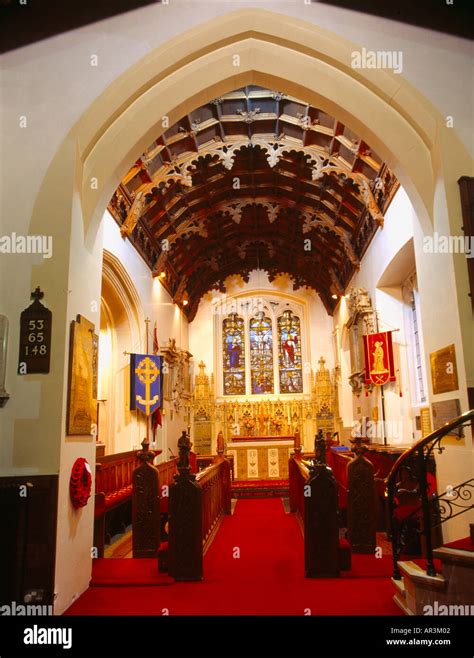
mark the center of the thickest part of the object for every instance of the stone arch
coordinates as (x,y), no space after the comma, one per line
(121,318)
(380,106)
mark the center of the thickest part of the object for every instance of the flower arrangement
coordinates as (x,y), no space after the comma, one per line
(249,425)
(277,424)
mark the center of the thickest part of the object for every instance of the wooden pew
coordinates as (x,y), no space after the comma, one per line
(150,497)
(113,493)
(382,458)
(206,460)
(339,462)
(197,506)
(313,498)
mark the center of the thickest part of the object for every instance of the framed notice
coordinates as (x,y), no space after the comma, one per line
(35,337)
(425,421)
(444,372)
(82,405)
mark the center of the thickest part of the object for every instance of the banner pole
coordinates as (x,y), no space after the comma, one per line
(147,419)
(382,398)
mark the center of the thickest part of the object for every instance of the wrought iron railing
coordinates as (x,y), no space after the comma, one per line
(431,508)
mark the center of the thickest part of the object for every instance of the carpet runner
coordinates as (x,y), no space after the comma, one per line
(255,566)
(465,544)
(122,572)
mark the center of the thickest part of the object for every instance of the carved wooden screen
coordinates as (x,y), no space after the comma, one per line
(289,353)
(233,355)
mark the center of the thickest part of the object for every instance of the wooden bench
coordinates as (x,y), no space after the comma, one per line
(113,494)
(197,507)
(314,501)
(203,461)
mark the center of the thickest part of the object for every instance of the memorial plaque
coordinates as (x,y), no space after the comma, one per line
(35,337)
(444,412)
(82,405)
(425,421)
(444,373)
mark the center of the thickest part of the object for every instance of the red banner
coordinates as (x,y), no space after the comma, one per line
(378,358)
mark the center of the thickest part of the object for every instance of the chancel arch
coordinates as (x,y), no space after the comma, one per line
(278,54)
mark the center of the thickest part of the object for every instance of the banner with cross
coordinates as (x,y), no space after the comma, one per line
(146,382)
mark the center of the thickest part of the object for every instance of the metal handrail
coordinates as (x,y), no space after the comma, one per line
(438,433)
(421,453)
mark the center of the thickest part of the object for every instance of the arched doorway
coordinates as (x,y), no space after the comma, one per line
(121,319)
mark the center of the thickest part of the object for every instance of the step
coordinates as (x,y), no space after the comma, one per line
(400,597)
(418,575)
(461,557)
(400,587)
(418,589)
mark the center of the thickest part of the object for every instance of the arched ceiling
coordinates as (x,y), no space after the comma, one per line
(254,179)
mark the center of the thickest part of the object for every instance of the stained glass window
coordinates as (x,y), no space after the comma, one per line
(261,354)
(233,355)
(289,353)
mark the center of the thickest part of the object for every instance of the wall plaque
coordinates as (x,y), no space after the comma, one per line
(35,337)
(445,411)
(425,421)
(82,405)
(444,372)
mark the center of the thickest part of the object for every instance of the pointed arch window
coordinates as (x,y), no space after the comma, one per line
(289,353)
(233,355)
(261,354)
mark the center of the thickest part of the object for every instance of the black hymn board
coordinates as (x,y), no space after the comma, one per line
(35,337)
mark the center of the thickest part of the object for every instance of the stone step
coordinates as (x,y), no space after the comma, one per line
(400,587)
(455,556)
(418,575)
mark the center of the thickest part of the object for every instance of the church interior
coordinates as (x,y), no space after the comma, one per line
(246,367)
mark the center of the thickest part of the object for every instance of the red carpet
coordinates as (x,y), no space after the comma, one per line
(127,572)
(465,544)
(255,567)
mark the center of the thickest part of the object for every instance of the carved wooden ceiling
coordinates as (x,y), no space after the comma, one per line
(254,179)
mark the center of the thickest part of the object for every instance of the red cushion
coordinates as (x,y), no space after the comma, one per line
(115,497)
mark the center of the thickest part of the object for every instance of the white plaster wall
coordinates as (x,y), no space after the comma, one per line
(397,230)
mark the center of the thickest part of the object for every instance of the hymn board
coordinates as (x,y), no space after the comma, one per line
(35,337)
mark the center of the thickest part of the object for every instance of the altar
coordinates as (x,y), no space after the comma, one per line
(261,457)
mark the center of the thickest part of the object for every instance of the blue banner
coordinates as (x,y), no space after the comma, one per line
(146,382)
